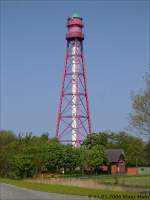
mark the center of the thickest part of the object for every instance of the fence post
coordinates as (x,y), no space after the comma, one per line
(41,178)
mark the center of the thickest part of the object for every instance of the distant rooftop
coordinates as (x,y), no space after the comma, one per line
(114,155)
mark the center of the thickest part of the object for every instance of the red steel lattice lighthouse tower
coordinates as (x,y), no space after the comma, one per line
(73,120)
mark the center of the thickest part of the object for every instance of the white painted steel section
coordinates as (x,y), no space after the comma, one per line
(74,97)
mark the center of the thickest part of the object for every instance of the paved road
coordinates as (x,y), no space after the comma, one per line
(9,192)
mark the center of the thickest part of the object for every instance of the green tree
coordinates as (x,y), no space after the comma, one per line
(28,156)
(147,153)
(97,156)
(6,137)
(92,158)
(21,166)
(54,155)
(140,118)
(70,158)
(132,146)
(44,136)
(100,138)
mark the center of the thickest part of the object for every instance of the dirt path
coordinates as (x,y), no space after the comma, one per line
(86,183)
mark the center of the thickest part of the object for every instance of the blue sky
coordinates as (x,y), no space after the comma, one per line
(32,58)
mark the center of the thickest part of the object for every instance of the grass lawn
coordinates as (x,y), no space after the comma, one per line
(61,189)
(136,181)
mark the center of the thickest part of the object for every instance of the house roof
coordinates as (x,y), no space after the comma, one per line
(114,155)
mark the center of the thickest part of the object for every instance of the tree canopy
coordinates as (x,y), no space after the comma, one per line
(140,118)
(27,155)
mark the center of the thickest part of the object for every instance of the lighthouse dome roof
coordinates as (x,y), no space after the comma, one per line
(76,15)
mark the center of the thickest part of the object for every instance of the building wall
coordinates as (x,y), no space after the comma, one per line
(118,168)
(132,171)
(113,169)
(138,171)
(122,168)
(143,170)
